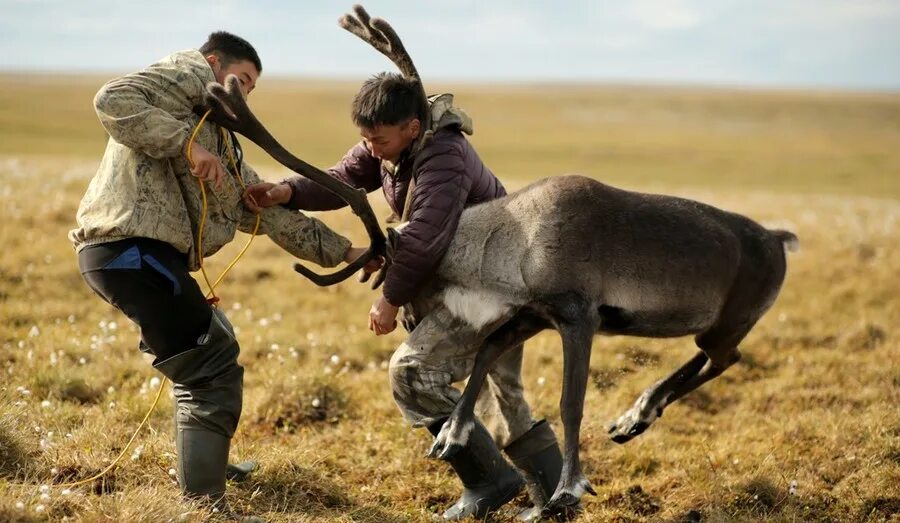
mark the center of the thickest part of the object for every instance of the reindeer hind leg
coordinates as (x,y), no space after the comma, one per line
(718,351)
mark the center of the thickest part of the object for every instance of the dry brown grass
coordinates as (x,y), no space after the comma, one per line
(814,403)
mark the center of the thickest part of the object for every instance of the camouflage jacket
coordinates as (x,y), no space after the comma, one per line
(144,188)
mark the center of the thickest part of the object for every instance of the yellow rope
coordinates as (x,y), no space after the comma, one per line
(211,294)
(103,472)
(212,286)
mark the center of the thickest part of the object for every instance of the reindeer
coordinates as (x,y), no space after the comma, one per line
(573,254)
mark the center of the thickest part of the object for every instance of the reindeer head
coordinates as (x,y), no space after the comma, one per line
(229,109)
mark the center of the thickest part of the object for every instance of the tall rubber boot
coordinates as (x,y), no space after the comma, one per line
(489,481)
(208,385)
(536,454)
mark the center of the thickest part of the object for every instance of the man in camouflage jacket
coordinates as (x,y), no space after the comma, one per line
(137,238)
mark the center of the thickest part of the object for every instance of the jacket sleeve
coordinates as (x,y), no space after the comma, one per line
(358,168)
(304,237)
(442,189)
(131,109)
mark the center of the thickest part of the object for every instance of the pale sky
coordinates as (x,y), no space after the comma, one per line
(780,43)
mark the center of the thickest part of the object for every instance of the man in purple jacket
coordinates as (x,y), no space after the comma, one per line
(447,176)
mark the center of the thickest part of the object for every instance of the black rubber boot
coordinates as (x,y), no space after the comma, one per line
(489,481)
(207,385)
(242,471)
(536,453)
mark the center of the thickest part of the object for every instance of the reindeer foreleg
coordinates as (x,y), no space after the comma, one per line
(454,434)
(576,338)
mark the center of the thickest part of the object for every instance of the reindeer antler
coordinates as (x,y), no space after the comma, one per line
(229,109)
(380,35)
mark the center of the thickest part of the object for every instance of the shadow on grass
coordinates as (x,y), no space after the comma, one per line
(292,491)
(14,460)
(760,499)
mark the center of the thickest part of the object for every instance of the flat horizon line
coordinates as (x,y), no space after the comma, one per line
(612,83)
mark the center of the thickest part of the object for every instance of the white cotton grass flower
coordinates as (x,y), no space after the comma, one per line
(541,381)
(54,471)
(34,332)
(39,508)
(45,497)
(172,472)
(154,382)
(45,404)
(316,403)
(20,505)
(792,488)
(335,359)
(44,489)
(66,492)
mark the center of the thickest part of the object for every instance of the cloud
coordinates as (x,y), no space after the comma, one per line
(662,14)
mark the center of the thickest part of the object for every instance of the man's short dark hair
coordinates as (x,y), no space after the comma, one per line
(386,99)
(230,49)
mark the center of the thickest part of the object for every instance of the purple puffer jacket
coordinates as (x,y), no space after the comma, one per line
(449,177)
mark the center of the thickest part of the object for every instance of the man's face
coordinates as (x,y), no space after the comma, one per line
(244,70)
(387,142)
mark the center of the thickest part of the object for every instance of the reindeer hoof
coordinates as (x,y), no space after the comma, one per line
(636,420)
(451,439)
(623,434)
(567,499)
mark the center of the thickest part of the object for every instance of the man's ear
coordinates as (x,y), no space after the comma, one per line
(415,127)
(213,61)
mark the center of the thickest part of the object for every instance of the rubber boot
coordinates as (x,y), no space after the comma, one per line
(536,454)
(242,471)
(489,481)
(207,385)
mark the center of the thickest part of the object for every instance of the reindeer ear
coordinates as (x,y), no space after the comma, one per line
(393,237)
(215,97)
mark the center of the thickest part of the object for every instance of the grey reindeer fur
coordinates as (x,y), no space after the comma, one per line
(576,255)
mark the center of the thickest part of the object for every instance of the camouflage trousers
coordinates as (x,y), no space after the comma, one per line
(439,352)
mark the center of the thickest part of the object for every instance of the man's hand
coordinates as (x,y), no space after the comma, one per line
(261,195)
(382,317)
(207,166)
(371,266)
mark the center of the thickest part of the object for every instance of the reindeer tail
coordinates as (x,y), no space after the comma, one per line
(788,239)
